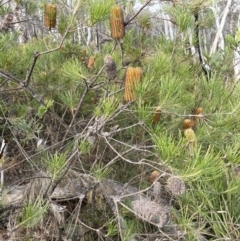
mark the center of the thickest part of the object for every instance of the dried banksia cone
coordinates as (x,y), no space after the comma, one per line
(117,23)
(157,115)
(133,76)
(110,67)
(50,15)
(91,62)
(188,124)
(151,212)
(153,176)
(175,186)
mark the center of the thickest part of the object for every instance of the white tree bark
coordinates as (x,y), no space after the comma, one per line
(220,29)
(236,60)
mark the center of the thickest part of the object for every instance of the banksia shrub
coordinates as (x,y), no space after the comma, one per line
(117,23)
(110,67)
(132,78)
(156,115)
(50,15)
(91,62)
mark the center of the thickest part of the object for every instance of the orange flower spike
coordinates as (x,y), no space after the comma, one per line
(117,23)
(132,78)
(91,62)
(50,15)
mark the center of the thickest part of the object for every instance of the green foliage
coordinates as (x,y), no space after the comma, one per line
(181,16)
(107,106)
(73,69)
(84,147)
(32,213)
(112,229)
(169,148)
(99,172)
(42,109)
(99,10)
(55,165)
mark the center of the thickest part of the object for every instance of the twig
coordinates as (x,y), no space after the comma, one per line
(29,72)
(206,69)
(135,15)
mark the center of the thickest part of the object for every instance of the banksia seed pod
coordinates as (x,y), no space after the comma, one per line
(157,115)
(133,76)
(117,23)
(151,211)
(50,15)
(175,186)
(110,67)
(91,62)
(188,124)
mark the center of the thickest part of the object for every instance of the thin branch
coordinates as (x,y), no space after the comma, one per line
(30,71)
(135,15)
(206,69)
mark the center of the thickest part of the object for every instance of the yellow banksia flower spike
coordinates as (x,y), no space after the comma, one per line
(156,115)
(192,140)
(117,23)
(132,78)
(50,15)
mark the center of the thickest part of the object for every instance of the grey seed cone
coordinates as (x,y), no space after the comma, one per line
(110,67)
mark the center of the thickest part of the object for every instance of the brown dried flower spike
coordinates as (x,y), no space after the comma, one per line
(117,23)
(157,115)
(50,15)
(133,77)
(110,67)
